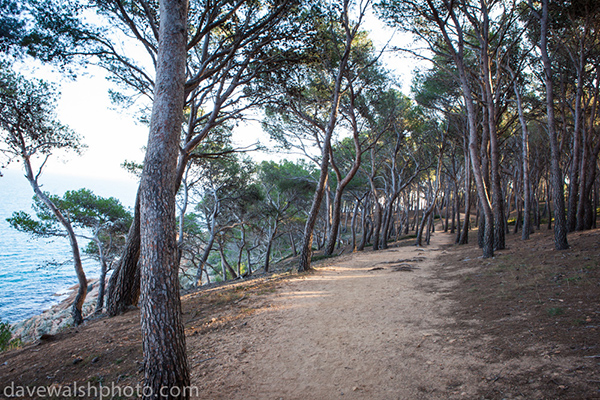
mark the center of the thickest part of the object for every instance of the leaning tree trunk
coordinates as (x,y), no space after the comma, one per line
(560,223)
(76,311)
(307,241)
(272,233)
(163,336)
(124,283)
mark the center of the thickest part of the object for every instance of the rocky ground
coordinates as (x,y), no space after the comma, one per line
(57,318)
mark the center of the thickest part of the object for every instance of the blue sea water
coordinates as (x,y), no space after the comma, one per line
(33,272)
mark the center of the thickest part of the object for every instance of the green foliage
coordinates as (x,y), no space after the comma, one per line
(288,176)
(12,27)
(58,32)
(88,210)
(23,222)
(28,127)
(105,219)
(6,341)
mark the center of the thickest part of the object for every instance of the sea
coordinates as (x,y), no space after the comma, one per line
(35,273)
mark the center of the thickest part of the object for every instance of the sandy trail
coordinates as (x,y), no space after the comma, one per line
(348,331)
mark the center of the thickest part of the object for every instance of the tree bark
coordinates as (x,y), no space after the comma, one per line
(525,159)
(124,283)
(560,223)
(166,371)
(497,197)
(575,178)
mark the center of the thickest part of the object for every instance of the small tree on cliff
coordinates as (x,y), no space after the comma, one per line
(102,221)
(30,133)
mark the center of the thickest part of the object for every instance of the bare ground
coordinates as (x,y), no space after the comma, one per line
(403,323)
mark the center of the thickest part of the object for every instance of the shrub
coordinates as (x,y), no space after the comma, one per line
(5,335)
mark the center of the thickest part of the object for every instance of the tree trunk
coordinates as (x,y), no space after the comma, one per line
(453,212)
(270,246)
(353,222)
(582,195)
(548,208)
(293,244)
(363,219)
(336,218)
(211,240)
(433,197)
(447,202)
(490,124)
(124,283)
(575,178)
(306,250)
(464,231)
(76,311)
(376,216)
(182,211)
(225,266)
(342,183)
(459,59)
(525,158)
(417,206)
(166,370)
(327,229)
(102,279)
(560,223)
(249,261)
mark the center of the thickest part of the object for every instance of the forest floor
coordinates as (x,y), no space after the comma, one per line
(436,322)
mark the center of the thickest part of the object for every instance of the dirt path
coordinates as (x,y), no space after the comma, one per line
(403,323)
(361,328)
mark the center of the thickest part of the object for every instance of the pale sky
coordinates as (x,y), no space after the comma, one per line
(111,136)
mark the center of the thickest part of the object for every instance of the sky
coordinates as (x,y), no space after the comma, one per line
(113,136)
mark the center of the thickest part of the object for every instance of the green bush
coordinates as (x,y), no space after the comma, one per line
(5,335)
